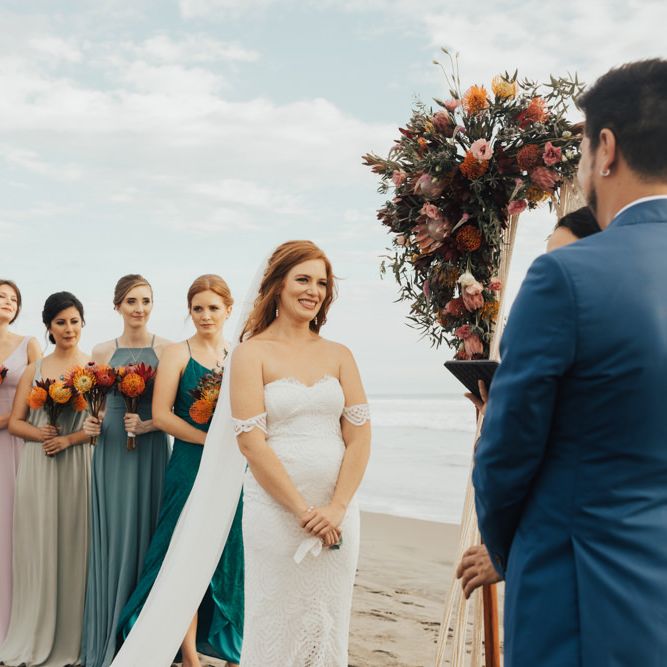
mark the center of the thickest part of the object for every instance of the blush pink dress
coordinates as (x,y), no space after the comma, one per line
(10,451)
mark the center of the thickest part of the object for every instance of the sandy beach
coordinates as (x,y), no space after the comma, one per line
(403,575)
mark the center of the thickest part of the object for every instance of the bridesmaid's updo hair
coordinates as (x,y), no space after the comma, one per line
(284,258)
(17,291)
(126,284)
(581,223)
(210,281)
(55,304)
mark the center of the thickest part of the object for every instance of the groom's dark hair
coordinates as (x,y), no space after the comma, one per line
(631,101)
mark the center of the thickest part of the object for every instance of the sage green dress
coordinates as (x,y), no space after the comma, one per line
(126,490)
(220,620)
(50,549)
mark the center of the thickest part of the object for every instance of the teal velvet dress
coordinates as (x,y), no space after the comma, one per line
(220,620)
(126,493)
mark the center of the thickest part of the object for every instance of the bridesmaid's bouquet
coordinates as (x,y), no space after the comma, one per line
(132,382)
(3,372)
(54,396)
(93,382)
(205,396)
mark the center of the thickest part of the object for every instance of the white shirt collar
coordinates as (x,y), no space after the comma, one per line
(641,200)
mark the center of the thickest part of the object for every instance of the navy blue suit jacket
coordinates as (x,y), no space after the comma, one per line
(571,468)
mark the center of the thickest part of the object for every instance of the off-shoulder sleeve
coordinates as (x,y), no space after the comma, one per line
(357,414)
(247,425)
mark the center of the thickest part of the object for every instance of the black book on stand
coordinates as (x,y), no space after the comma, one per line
(470,372)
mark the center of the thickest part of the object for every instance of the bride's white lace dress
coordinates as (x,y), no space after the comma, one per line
(298,595)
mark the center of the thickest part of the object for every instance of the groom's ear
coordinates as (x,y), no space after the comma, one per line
(607,150)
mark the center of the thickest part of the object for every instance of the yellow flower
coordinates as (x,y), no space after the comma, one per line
(59,392)
(503,88)
(82,379)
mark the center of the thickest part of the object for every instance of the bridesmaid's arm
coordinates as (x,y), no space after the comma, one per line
(34,350)
(174,360)
(34,353)
(18,420)
(247,400)
(357,441)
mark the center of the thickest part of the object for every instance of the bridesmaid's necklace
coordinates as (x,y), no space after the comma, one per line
(133,357)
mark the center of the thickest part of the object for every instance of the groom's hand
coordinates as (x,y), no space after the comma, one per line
(475,570)
(484,393)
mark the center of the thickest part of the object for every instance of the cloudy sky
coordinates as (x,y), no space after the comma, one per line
(178,138)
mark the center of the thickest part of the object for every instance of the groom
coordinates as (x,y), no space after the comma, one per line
(571,468)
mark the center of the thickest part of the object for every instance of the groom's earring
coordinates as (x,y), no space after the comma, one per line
(605,172)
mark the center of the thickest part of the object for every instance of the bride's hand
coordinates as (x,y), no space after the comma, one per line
(332,538)
(323,519)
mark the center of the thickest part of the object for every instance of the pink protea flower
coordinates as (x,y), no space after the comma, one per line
(429,187)
(473,346)
(398,178)
(495,285)
(443,123)
(431,211)
(463,332)
(452,104)
(481,149)
(430,235)
(552,154)
(471,292)
(544,178)
(517,206)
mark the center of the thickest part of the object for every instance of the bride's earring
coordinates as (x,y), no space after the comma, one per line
(277,311)
(605,172)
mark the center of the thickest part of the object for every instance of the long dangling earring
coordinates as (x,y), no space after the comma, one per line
(277,312)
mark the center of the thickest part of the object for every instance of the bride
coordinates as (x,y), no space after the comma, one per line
(306,453)
(302,423)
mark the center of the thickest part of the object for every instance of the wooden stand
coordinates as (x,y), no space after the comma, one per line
(491,626)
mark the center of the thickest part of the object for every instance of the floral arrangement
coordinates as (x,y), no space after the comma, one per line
(132,382)
(205,397)
(3,373)
(54,396)
(93,382)
(458,174)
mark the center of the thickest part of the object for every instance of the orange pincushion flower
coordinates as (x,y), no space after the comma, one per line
(528,156)
(105,375)
(132,385)
(475,99)
(201,411)
(82,379)
(60,392)
(490,310)
(79,404)
(473,168)
(535,112)
(37,398)
(502,88)
(469,238)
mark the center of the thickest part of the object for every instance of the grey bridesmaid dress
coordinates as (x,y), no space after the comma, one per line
(50,549)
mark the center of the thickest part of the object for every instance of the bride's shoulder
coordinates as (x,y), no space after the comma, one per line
(336,349)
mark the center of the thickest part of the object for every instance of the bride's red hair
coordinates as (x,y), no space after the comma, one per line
(284,258)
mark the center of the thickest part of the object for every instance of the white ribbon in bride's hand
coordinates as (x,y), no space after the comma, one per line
(311,545)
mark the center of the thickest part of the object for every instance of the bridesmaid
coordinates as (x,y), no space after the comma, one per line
(15,353)
(50,508)
(217,628)
(126,484)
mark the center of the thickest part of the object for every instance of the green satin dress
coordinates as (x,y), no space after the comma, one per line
(220,620)
(126,490)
